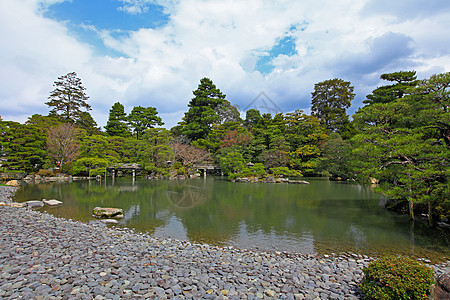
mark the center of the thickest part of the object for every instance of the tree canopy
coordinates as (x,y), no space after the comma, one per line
(404,144)
(117,121)
(329,102)
(204,110)
(68,98)
(142,118)
(403,80)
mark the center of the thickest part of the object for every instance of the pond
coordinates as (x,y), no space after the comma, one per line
(322,217)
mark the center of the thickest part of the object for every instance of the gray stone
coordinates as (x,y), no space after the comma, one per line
(52,202)
(441,289)
(34,203)
(107,212)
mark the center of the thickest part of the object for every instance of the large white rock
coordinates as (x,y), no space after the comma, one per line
(34,203)
(52,202)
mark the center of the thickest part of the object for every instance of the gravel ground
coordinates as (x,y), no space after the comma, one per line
(44,257)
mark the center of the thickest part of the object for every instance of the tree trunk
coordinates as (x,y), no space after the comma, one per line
(411,210)
(430,216)
(410,200)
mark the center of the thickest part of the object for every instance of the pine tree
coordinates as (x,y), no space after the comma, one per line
(117,122)
(330,100)
(142,118)
(203,110)
(403,81)
(68,98)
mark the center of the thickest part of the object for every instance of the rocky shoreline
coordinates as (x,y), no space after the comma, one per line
(44,257)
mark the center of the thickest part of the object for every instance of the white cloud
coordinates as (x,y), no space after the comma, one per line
(222,40)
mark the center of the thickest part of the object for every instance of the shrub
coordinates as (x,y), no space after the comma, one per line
(285,171)
(396,277)
(45,173)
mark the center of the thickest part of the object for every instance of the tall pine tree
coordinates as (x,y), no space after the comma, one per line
(330,100)
(203,110)
(117,122)
(142,118)
(68,98)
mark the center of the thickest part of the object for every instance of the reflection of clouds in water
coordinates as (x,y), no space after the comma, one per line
(130,188)
(269,241)
(173,229)
(163,214)
(131,212)
(357,236)
(289,222)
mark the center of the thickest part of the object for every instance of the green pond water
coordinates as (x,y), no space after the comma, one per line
(322,217)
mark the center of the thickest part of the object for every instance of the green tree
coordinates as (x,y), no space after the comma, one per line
(330,100)
(306,136)
(87,122)
(252,118)
(117,121)
(43,122)
(155,150)
(91,166)
(126,148)
(68,98)
(403,81)
(403,143)
(142,118)
(22,146)
(203,111)
(336,156)
(232,163)
(94,146)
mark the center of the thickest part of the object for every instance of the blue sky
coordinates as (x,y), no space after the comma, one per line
(154,52)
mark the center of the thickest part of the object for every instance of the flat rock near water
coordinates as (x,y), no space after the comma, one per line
(45,257)
(52,202)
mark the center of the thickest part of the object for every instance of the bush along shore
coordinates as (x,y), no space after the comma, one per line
(45,257)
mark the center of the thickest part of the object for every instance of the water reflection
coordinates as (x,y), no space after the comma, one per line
(321,217)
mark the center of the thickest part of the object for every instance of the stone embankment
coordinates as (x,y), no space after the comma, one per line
(44,257)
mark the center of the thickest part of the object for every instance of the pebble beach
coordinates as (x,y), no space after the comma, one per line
(45,257)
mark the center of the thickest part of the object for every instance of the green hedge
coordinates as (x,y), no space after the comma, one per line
(397,277)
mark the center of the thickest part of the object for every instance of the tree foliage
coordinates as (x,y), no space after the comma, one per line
(403,144)
(403,81)
(155,151)
(22,146)
(204,111)
(68,98)
(117,122)
(142,118)
(329,102)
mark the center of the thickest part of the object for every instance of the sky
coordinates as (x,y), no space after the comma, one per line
(262,54)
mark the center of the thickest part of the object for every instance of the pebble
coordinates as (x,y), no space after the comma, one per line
(45,257)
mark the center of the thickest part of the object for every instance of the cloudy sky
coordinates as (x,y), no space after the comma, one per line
(154,52)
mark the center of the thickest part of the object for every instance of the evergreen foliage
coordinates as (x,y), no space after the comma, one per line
(204,111)
(68,98)
(117,122)
(329,102)
(404,144)
(142,118)
(404,80)
(22,146)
